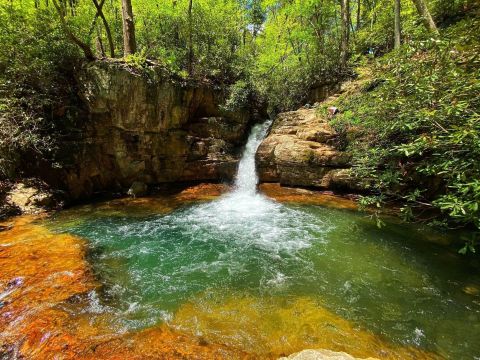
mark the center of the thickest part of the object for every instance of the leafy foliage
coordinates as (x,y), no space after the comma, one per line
(33,82)
(239,97)
(297,49)
(422,126)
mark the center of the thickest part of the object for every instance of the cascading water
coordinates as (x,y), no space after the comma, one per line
(247,179)
(248,218)
(243,234)
(245,245)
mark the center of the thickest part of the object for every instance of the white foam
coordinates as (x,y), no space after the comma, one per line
(243,217)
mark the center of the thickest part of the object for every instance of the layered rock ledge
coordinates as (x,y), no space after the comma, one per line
(302,149)
(148,128)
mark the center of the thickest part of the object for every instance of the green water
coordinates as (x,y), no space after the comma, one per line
(392,282)
(389,281)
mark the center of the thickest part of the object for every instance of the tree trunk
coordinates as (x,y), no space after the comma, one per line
(129,44)
(345,31)
(359,7)
(105,24)
(398,25)
(94,21)
(176,35)
(99,45)
(426,16)
(190,40)
(85,48)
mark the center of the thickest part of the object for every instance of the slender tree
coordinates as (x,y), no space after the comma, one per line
(105,24)
(129,44)
(345,31)
(190,38)
(398,25)
(426,16)
(359,9)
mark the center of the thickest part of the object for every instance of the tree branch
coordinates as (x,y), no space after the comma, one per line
(85,48)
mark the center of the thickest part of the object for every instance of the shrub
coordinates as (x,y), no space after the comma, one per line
(423,126)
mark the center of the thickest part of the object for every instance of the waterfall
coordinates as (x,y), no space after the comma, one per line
(243,216)
(246,179)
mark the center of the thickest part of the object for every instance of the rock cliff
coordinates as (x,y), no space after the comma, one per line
(145,127)
(302,149)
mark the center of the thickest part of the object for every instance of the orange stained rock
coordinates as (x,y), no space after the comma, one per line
(286,194)
(39,270)
(143,206)
(57,334)
(40,273)
(161,343)
(204,191)
(273,327)
(39,267)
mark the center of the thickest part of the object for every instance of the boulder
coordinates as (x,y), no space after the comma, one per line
(30,199)
(138,188)
(301,150)
(332,110)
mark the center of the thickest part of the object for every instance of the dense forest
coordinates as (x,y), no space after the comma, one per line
(418,110)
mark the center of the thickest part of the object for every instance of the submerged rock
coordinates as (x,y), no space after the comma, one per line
(321,355)
(270,327)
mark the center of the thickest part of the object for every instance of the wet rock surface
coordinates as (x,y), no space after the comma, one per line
(302,149)
(305,196)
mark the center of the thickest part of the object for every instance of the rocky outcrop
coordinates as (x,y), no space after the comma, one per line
(302,149)
(144,127)
(137,189)
(320,92)
(32,197)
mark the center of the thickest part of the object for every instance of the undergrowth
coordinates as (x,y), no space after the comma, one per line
(420,129)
